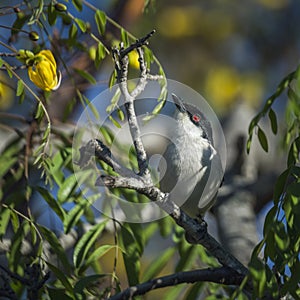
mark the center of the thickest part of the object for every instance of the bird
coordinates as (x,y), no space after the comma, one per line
(190,168)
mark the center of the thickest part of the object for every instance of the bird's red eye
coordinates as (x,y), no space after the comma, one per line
(196,118)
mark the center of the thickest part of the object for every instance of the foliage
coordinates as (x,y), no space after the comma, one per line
(280,245)
(37,178)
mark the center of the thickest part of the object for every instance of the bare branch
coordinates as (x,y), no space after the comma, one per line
(96,148)
(196,231)
(222,275)
(121,64)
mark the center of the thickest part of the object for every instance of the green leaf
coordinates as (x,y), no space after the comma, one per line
(91,107)
(77,4)
(14,221)
(59,161)
(67,188)
(8,69)
(56,246)
(100,18)
(294,189)
(258,273)
(293,155)
(107,135)
(280,186)
(20,88)
(100,251)
(158,264)
(47,196)
(100,54)
(124,37)
(16,244)
(173,293)
(86,242)
(61,277)
(281,237)
(112,79)
(148,55)
(81,24)
(131,256)
(114,121)
(39,112)
(263,139)
(74,215)
(85,282)
(273,120)
(195,291)
(4,220)
(19,23)
(36,13)
(52,14)
(58,293)
(114,101)
(73,32)
(187,258)
(6,163)
(84,74)
(121,115)
(269,220)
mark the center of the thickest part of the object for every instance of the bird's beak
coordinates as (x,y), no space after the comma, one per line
(179,104)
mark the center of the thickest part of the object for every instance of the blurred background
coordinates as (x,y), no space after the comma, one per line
(233,53)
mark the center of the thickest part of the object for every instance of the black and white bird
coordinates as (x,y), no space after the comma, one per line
(191,169)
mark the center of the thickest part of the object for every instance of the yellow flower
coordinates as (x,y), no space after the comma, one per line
(43,72)
(6,93)
(134,59)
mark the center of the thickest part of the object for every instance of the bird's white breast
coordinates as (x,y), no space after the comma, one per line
(190,158)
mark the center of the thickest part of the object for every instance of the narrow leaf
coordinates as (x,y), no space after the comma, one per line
(4,220)
(39,112)
(124,37)
(56,246)
(263,139)
(98,253)
(52,14)
(131,256)
(114,121)
(157,266)
(84,74)
(67,188)
(280,186)
(81,24)
(20,88)
(61,277)
(85,282)
(77,4)
(273,120)
(73,32)
(52,202)
(86,242)
(100,54)
(74,215)
(121,115)
(100,18)
(112,79)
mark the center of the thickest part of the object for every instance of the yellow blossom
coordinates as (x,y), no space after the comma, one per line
(43,72)
(134,59)
(6,93)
